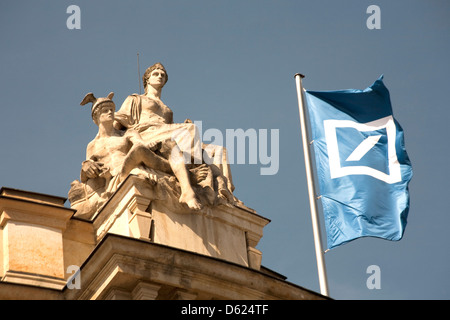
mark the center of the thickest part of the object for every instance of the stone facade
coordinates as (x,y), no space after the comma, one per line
(136,247)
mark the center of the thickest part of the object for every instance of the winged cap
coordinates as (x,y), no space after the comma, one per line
(96,102)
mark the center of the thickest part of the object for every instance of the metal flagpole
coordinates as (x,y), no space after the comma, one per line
(323,282)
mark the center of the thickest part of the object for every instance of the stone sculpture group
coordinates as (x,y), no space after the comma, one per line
(141,139)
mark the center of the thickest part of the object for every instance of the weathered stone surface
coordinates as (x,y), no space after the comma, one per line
(139,210)
(122,266)
(141,138)
(134,249)
(32,227)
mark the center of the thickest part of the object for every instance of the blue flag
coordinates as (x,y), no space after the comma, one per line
(362,166)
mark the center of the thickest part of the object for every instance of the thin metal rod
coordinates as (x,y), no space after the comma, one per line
(323,282)
(139,73)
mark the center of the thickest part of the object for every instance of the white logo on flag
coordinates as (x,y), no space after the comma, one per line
(336,170)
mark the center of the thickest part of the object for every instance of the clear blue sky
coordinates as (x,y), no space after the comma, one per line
(231,64)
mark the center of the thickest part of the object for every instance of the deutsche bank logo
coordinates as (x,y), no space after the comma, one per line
(375,132)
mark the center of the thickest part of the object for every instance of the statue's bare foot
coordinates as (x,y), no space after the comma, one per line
(225,195)
(190,200)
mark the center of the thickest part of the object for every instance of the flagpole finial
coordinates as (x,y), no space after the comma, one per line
(299,74)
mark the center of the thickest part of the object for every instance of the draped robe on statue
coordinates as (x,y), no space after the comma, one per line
(154,121)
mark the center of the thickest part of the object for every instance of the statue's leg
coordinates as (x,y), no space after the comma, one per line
(217,156)
(140,154)
(171,151)
(222,185)
(226,170)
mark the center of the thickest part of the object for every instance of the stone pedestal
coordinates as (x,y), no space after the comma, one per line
(226,231)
